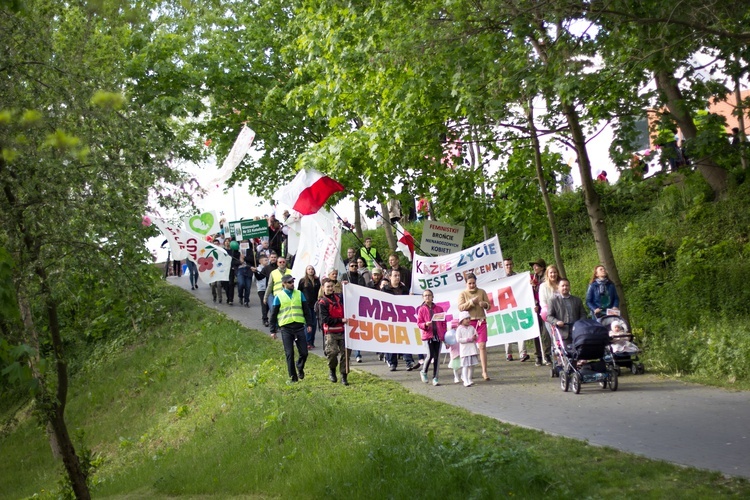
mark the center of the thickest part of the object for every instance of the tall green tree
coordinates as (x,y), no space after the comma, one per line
(82,149)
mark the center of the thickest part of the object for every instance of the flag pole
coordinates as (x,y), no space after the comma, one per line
(388,221)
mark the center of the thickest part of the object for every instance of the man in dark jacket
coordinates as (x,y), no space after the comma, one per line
(565,309)
(291,315)
(395,287)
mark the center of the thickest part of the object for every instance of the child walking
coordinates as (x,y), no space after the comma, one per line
(467,340)
(455,364)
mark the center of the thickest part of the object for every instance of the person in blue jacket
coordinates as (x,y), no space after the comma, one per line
(601,294)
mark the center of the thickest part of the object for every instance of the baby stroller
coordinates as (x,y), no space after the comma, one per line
(624,351)
(584,357)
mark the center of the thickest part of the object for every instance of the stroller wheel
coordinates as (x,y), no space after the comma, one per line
(613,381)
(553,372)
(576,383)
(634,369)
(564,381)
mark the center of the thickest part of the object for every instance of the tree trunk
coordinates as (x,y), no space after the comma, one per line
(593,207)
(545,193)
(53,407)
(715,176)
(740,121)
(357,219)
(475,161)
(390,238)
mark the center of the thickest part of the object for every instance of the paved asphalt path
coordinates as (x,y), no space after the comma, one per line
(686,424)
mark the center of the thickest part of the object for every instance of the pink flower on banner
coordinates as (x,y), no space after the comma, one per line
(146,221)
(205,264)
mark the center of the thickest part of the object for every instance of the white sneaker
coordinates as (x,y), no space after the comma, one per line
(456,380)
(468,384)
(423,375)
(435,382)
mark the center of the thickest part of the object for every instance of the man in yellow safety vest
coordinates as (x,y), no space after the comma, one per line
(290,315)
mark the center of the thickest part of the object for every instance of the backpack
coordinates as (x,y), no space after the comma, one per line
(335,310)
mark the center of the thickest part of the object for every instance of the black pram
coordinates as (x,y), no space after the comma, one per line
(585,357)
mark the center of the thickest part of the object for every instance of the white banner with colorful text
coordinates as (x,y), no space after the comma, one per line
(448,272)
(380,322)
(213,262)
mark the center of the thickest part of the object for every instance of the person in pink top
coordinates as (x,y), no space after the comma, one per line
(433,332)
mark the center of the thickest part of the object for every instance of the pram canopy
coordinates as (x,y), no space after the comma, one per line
(589,338)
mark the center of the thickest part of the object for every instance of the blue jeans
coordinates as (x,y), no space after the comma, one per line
(393,359)
(193,268)
(243,286)
(311,335)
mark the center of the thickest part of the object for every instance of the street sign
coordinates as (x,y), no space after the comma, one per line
(248,229)
(439,238)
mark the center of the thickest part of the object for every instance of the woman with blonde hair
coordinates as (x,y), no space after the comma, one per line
(547,290)
(476,302)
(309,285)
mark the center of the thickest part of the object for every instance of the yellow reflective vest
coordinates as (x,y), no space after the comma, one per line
(276,277)
(290,308)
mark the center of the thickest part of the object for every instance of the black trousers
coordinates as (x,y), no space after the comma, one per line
(291,334)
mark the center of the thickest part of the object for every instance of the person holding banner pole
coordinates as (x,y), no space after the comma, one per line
(331,310)
(261,281)
(476,302)
(431,322)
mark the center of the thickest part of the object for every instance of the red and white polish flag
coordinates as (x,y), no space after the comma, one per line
(308,191)
(405,243)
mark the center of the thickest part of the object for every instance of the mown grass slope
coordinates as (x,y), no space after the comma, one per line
(200,407)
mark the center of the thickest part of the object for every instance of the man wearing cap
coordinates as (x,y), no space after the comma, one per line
(537,278)
(290,314)
(377,278)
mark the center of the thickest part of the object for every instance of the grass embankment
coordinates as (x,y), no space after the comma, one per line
(201,407)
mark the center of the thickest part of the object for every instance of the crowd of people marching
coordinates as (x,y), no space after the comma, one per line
(298,311)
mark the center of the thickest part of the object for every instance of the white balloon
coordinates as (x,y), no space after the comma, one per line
(450,337)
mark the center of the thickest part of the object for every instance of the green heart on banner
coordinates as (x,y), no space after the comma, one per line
(202,223)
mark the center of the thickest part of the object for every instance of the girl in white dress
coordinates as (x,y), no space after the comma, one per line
(467,340)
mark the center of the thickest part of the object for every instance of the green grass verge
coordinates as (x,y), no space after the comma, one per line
(200,407)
